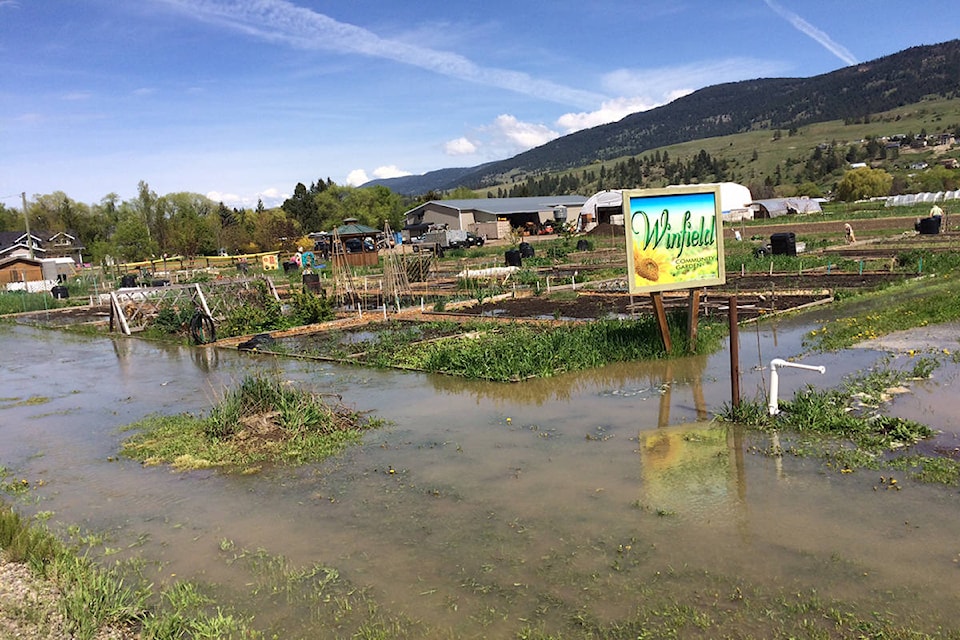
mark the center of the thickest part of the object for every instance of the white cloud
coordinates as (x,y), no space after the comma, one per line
(519,135)
(609,111)
(357,177)
(645,89)
(389,171)
(271,197)
(283,22)
(460,147)
(816,34)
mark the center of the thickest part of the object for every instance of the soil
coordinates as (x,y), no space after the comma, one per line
(587,306)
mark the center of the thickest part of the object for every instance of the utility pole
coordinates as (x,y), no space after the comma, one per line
(26,222)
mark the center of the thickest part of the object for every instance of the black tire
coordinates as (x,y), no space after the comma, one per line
(202,329)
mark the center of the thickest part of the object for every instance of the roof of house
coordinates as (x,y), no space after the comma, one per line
(12,259)
(10,240)
(506,206)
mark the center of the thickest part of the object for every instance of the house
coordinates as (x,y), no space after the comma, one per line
(495,217)
(776,207)
(42,244)
(64,245)
(18,243)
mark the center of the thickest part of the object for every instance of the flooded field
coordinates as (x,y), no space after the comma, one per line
(565,505)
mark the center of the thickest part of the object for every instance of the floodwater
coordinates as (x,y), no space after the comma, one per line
(483,508)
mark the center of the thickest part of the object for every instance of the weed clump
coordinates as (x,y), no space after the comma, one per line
(263,420)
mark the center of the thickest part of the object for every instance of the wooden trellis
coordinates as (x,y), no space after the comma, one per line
(344,288)
(396,284)
(135,309)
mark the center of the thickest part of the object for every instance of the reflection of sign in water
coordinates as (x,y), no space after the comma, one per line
(686,467)
(674,238)
(270,263)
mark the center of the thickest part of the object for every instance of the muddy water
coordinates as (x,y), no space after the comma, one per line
(482,507)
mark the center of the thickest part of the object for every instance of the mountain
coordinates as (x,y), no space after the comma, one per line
(420,184)
(852,92)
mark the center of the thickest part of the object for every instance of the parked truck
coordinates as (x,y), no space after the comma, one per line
(441,240)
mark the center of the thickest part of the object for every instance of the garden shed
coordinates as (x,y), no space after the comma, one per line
(21,272)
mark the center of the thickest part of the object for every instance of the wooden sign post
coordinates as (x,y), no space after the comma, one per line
(661,315)
(674,241)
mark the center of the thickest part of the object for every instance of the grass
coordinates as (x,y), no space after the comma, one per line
(261,421)
(899,307)
(847,426)
(89,598)
(517,351)
(317,600)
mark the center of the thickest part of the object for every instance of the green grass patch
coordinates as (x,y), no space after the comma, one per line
(517,351)
(896,308)
(261,421)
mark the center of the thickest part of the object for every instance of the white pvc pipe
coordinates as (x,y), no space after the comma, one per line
(776,363)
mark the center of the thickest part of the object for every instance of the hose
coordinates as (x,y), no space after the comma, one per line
(202,330)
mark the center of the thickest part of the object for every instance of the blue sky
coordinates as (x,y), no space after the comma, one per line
(242,99)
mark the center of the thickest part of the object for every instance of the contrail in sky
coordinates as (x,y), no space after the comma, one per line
(283,22)
(808,29)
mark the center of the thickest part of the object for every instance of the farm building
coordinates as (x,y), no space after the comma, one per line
(494,217)
(606,207)
(776,207)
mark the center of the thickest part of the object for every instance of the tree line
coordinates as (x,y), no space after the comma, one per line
(190,224)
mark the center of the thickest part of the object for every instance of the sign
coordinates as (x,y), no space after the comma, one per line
(674,238)
(270,262)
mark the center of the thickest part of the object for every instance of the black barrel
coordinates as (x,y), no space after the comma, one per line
(513,258)
(60,292)
(583,245)
(526,250)
(929,226)
(311,282)
(129,280)
(783,244)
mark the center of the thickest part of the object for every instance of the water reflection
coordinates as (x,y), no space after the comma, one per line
(623,379)
(694,469)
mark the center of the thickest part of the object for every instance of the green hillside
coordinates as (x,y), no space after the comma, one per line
(806,160)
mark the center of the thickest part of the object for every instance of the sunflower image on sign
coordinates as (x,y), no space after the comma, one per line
(674,238)
(652,266)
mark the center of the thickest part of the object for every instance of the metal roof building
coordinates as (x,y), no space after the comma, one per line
(482,215)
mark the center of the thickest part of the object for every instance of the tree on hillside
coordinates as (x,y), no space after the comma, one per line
(864,182)
(938,178)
